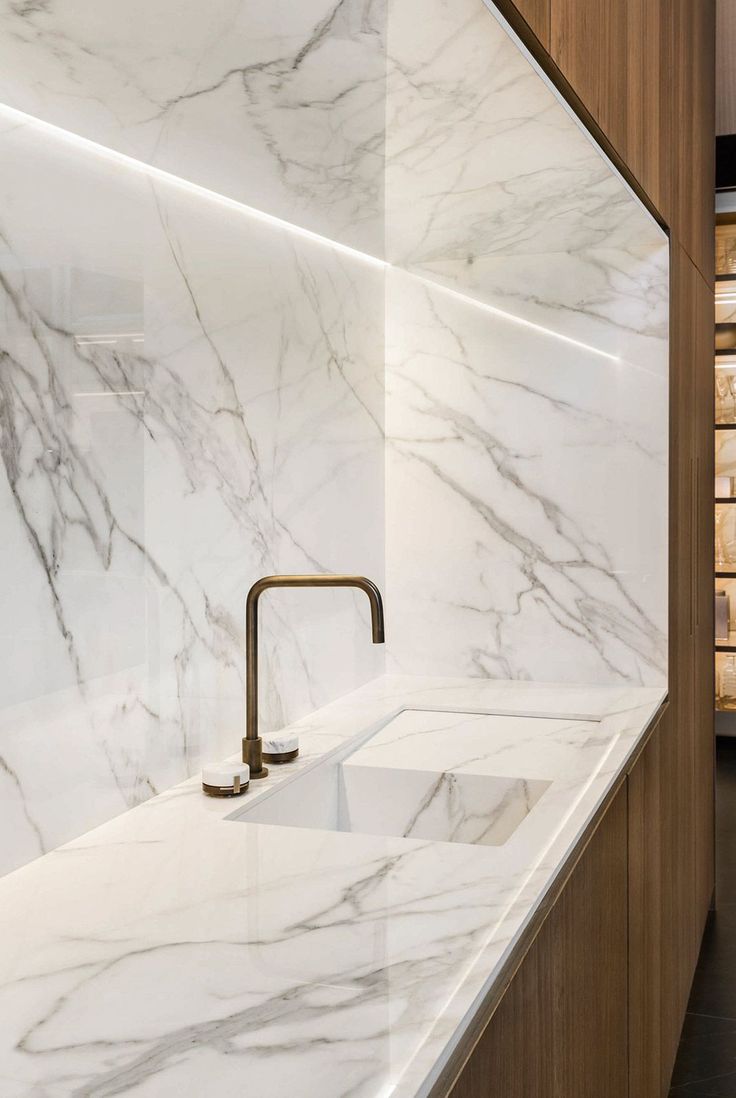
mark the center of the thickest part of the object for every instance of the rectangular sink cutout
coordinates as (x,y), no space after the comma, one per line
(424,775)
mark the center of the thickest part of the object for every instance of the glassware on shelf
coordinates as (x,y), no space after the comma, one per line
(725,249)
(731,413)
(723,393)
(727,684)
(721,557)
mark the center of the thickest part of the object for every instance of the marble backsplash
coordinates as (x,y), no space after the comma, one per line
(527,374)
(463,397)
(280,106)
(190,399)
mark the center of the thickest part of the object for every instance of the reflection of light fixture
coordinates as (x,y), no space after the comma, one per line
(122,159)
(114,393)
(92,339)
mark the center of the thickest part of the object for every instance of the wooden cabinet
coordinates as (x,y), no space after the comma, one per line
(536,13)
(560,1031)
(687,132)
(649,1033)
(645,71)
(703,685)
(665,919)
(596,1006)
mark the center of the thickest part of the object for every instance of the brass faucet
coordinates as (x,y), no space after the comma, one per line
(252,744)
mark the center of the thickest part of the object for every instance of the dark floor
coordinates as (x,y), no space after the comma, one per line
(706,1061)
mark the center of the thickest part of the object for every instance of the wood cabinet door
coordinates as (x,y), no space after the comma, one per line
(560,1030)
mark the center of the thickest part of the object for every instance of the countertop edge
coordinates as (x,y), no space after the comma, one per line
(481,1012)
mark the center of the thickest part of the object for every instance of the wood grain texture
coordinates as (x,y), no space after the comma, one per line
(671,786)
(612,53)
(704,686)
(589,42)
(677,821)
(646,1061)
(688,126)
(645,70)
(560,1031)
(537,15)
(725,66)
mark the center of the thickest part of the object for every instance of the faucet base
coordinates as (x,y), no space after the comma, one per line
(280,747)
(279,757)
(253,756)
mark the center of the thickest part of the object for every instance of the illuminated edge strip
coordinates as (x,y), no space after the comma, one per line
(139,166)
(114,393)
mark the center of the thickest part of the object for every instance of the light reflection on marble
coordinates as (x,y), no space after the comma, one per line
(491,188)
(526,476)
(234,425)
(195,949)
(280,106)
(548,467)
(189,400)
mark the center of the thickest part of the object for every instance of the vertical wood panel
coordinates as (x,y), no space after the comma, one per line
(613,52)
(725,66)
(536,13)
(688,126)
(704,687)
(589,42)
(645,70)
(560,1030)
(670,787)
(647,1068)
(639,140)
(678,818)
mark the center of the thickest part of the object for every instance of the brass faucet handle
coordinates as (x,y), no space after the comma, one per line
(280,747)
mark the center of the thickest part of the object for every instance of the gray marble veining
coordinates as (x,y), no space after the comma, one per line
(278,106)
(468,402)
(197,953)
(189,400)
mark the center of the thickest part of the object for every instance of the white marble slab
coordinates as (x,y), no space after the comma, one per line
(196,953)
(190,400)
(494,190)
(280,106)
(526,499)
(527,362)
(194,395)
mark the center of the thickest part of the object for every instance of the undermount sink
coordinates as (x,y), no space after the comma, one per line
(378,788)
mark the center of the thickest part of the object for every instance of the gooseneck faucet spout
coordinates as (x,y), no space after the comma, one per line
(252,743)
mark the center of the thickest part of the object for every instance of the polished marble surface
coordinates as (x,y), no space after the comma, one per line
(279,106)
(526,372)
(526,499)
(195,394)
(190,399)
(196,951)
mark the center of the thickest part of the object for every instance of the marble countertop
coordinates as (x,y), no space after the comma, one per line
(175,952)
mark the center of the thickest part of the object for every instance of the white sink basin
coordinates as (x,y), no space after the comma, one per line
(349,792)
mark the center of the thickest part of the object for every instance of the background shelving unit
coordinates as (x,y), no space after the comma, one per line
(725,361)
